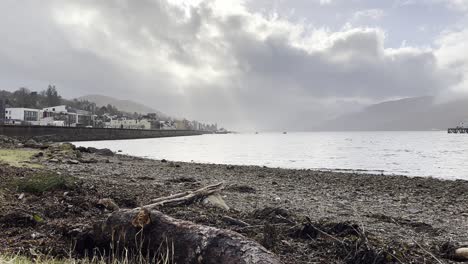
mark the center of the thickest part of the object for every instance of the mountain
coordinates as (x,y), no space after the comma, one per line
(418,113)
(123,105)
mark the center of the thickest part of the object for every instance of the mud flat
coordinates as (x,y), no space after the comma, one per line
(302,216)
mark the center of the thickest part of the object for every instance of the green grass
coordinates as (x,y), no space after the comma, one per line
(44,182)
(18,157)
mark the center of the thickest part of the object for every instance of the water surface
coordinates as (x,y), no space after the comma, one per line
(436,154)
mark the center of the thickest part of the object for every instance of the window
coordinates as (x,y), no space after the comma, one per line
(53,109)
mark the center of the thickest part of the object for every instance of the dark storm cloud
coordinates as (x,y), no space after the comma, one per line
(208,61)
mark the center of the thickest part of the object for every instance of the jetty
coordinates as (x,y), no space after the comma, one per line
(458,130)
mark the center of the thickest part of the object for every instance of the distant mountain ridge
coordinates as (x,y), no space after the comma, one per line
(418,113)
(123,105)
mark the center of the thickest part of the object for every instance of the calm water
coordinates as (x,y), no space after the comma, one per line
(436,154)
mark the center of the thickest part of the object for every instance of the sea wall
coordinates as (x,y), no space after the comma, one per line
(53,133)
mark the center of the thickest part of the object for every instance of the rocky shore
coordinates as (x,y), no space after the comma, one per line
(303,216)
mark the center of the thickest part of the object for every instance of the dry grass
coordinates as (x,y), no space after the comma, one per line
(18,157)
(164,255)
(17,259)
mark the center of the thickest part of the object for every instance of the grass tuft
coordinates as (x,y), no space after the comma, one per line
(44,182)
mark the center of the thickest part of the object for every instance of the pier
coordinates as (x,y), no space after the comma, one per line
(458,130)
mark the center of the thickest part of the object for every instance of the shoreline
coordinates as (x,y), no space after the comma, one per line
(396,212)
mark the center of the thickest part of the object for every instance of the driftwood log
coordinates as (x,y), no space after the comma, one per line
(147,231)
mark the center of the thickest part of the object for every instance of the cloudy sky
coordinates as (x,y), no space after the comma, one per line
(259,64)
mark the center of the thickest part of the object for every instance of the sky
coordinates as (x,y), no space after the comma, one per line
(245,64)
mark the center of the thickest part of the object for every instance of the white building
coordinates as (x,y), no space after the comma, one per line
(56,109)
(129,124)
(19,115)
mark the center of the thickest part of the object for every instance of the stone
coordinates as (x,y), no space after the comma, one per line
(39,154)
(91,160)
(73,162)
(461,253)
(66,146)
(31,143)
(105,152)
(54,160)
(82,149)
(107,204)
(92,150)
(216,200)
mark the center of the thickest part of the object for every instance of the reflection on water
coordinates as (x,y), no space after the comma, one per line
(436,154)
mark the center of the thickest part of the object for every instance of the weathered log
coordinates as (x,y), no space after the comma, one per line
(150,230)
(144,231)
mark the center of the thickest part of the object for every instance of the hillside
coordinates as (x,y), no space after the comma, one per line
(123,105)
(419,113)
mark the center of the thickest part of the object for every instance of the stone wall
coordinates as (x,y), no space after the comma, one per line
(87,134)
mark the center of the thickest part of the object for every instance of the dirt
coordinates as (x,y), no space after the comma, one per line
(303,216)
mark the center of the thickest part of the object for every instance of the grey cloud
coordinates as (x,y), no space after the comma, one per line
(208,66)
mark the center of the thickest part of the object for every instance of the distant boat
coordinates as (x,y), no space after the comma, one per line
(285,133)
(256,133)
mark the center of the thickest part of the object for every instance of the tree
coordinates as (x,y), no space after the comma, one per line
(21,97)
(52,97)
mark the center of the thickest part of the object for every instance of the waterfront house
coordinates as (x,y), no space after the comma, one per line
(68,116)
(17,116)
(129,123)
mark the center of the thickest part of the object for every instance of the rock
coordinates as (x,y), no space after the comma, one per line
(91,160)
(54,160)
(461,254)
(163,160)
(21,196)
(39,154)
(216,200)
(105,152)
(83,149)
(92,150)
(31,143)
(119,150)
(73,162)
(107,204)
(66,146)
(172,164)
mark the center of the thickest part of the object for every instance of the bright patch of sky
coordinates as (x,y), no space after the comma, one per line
(405,22)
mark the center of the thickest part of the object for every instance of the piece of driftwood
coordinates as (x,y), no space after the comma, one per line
(146,231)
(186,198)
(234,221)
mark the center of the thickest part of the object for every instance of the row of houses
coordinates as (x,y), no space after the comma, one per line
(147,122)
(51,116)
(63,115)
